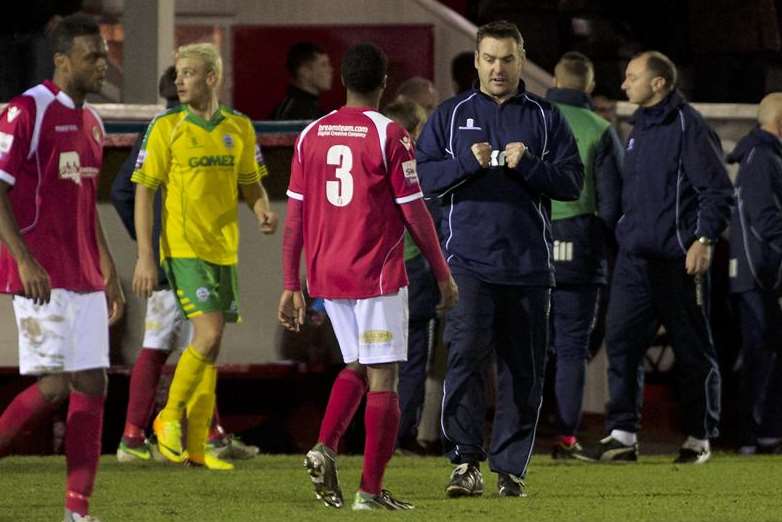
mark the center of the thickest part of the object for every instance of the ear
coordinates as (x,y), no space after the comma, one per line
(658,84)
(590,87)
(61,61)
(476,59)
(211,79)
(385,82)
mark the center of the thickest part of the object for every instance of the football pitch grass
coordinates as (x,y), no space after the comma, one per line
(273,488)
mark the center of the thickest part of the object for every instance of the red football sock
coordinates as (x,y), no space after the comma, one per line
(381,422)
(82,448)
(346,394)
(567,440)
(25,410)
(143,386)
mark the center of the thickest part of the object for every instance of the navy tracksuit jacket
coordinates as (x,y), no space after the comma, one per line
(756,279)
(675,190)
(497,241)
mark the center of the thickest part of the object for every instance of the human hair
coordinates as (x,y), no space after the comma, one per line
(406,113)
(364,68)
(166,86)
(70,27)
(301,53)
(499,29)
(574,71)
(414,86)
(206,52)
(662,66)
(463,70)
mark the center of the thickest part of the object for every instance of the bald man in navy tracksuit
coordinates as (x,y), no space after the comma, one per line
(495,156)
(676,199)
(756,278)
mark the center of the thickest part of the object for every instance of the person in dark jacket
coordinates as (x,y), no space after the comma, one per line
(676,198)
(311,75)
(579,231)
(756,278)
(495,156)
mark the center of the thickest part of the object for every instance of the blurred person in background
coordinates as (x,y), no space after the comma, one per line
(311,74)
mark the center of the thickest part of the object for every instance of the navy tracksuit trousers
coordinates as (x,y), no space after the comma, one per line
(761,372)
(513,321)
(644,290)
(422,300)
(573,315)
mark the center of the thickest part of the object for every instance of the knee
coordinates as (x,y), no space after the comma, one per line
(55,387)
(90,382)
(382,377)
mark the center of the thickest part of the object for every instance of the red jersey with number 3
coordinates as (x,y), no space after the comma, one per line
(351,169)
(50,153)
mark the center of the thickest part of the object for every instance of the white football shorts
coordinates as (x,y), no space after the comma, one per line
(165,328)
(371,331)
(68,334)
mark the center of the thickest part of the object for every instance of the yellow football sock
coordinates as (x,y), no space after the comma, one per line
(199,412)
(189,373)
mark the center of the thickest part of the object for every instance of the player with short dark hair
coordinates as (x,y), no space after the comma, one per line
(352,193)
(54,258)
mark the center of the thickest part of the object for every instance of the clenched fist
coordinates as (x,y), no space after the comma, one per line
(482,152)
(513,154)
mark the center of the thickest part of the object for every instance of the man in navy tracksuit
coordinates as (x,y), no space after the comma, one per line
(495,156)
(756,278)
(676,198)
(579,231)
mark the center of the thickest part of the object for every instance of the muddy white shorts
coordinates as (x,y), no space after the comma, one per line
(165,328)
(68,334)
(371,331)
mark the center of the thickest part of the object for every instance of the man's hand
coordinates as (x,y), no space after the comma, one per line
(291,310)
(145,276)
(449,294)
(115,298)
(513,154)
(267,221)
(698,258)
(482,152)
(35,280)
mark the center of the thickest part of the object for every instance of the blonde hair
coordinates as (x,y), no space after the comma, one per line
(207,53)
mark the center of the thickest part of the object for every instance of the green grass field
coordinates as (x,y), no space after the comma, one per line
(274,488)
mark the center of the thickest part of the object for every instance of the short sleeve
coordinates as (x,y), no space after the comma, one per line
(16,131)
(154,158)
(400,159)
(296,184)
(252,167)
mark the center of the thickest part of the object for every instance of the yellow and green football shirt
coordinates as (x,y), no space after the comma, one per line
(200,164)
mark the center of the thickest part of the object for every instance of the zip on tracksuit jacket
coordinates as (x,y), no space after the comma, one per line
(756,223)
(580,227)
(675,186)
(496,221)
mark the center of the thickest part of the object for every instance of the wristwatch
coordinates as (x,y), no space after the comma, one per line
(705,241)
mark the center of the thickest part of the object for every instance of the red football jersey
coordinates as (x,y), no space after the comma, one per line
(51,152)
(350,170)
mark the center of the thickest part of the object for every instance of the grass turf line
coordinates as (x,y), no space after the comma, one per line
(277,488)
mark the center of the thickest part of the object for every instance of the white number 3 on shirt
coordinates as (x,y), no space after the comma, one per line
(340,192)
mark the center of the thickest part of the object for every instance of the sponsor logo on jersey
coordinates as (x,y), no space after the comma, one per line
(6,141)
(563,251)
(497,158)
(70,168)
(411,175)
(229,141)
(12,113)
(202,294)
(225,160)
(142,155)
(376,337)
(469,125)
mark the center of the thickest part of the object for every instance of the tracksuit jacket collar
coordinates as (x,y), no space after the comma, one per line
(570,97)
(660,113)
(519,97)
(757,136)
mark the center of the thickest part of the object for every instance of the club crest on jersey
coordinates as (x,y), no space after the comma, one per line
(96,135)
(409,169)
(12,113)
(228,141)
(469,125)
(202,294)
(6,141)
(406,143)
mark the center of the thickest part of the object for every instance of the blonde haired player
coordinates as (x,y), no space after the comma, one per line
(203,153)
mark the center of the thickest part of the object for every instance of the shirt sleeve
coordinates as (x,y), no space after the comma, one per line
(16,130)
(296,183)
(400,161)
(154,159)
(252,167)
